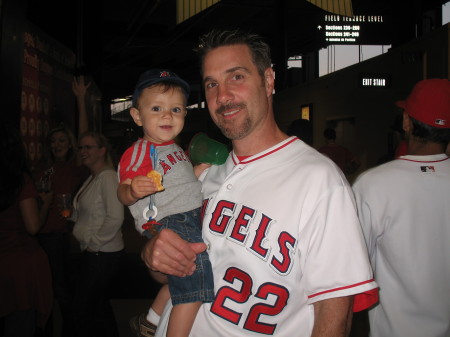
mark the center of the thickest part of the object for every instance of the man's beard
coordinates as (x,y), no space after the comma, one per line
(229,128)
(234,132)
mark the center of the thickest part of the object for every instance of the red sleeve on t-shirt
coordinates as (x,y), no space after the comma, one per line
(134,162)
(365,300)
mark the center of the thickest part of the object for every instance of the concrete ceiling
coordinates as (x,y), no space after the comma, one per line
(116,40)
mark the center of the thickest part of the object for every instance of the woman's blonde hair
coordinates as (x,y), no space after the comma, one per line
(71,154)
(101,141)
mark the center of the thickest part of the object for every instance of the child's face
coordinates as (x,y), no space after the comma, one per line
(161,113)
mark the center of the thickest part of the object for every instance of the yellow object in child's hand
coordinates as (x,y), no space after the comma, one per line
(157,178)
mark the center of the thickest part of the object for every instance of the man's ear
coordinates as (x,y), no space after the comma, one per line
(407,123)
(136,116)
(269,81)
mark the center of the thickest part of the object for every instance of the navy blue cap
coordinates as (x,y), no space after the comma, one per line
(155,76)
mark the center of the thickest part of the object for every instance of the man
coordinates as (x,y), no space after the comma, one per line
(284,240)
(404,210)
(342,156)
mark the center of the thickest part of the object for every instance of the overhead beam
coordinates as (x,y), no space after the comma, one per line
(341,7)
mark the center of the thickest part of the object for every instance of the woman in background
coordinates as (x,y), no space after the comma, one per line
(25,281)
(61,175)
(98,216)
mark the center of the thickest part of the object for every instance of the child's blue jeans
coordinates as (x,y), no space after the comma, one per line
(198,287)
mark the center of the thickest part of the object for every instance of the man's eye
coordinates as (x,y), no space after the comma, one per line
(238,77)
(156,108)
(210,85)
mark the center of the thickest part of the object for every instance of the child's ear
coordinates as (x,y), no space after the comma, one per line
(136,116)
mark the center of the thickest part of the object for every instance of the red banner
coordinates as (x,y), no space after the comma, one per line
(47,99)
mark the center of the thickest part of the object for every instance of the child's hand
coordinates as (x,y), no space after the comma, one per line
(141,186)
(199,168)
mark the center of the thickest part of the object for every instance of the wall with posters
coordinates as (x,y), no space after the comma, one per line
(46,96)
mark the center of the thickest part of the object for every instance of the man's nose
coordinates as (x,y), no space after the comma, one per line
(224,95)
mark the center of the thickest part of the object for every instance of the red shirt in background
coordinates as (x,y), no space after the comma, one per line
(67,177)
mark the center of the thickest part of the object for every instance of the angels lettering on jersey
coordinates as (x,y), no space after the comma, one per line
(248,227)
(171,160)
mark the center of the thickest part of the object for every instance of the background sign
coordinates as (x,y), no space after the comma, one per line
(374,80)
(46,99)
(359,29)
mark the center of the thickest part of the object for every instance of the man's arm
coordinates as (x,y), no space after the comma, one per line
(158,277)
(168,253)
(333,317)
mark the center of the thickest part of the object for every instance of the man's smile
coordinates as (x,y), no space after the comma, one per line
(230,109)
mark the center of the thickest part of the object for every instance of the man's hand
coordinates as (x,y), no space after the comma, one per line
(168,253)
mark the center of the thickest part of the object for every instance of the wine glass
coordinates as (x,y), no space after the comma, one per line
(64,202)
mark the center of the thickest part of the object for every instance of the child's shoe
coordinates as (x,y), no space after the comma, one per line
(141,327)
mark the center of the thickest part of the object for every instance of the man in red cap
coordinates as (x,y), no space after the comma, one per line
(404,210)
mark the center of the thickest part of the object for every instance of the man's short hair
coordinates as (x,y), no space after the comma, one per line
(427,133)
(259,49)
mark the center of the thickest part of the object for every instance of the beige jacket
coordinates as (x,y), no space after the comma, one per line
(98,214)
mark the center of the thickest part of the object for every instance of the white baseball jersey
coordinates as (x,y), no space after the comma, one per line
(283,233)
(404,207)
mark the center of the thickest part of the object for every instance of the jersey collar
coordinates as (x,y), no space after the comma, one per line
(265,153)
(161,144)
(425,159)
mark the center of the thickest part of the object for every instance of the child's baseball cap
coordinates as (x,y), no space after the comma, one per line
(155,76)
(429,103)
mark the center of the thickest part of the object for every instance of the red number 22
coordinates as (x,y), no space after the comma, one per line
(242,295)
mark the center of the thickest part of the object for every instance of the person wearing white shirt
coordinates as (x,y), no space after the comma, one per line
(98,218)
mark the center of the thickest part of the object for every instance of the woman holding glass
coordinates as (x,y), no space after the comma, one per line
(61,175)
(98,217)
